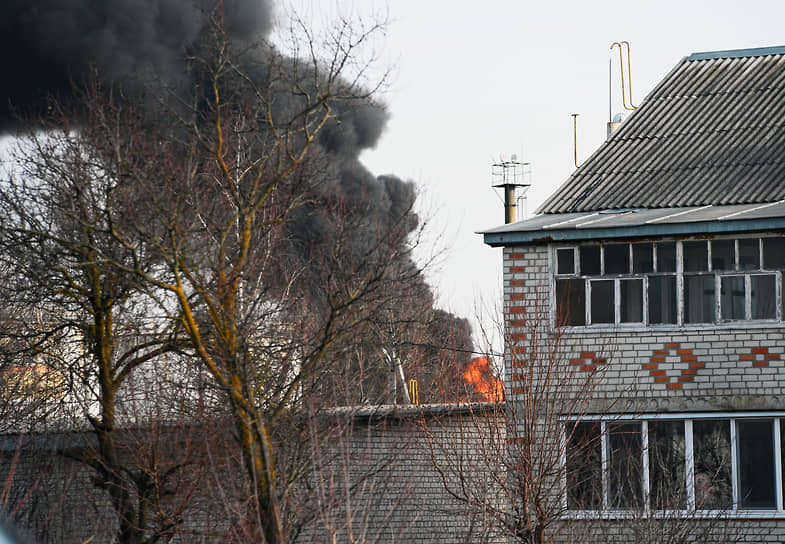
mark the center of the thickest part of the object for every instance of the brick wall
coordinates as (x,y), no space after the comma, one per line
(395,459)
(689,368)
(404,456)
(700,368)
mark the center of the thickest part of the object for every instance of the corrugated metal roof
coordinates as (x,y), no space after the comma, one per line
(677,221)
(711,132)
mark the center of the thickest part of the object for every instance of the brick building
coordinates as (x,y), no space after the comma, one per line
(660,264)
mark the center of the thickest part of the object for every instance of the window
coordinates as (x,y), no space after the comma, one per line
(749,254)
(723,255)
(624,447)
(570,297)
(707,463)
(732,297)
(662,300)
(631,301)
(565,261)
(756,464)
(763,296)
(670,282)
(667,473)
(584,483)
(696,256)
(642,258)
(591,262)
(699,298)
(712,462)
(602,301)
(617,259)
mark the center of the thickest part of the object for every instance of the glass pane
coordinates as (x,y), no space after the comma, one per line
(590,260)
(712,457)
(602,301)
(570,302)
(749,254)
(699,299)
(667,468)
(696,256)
(642,258)
(584,467)
(763,296)
(617,259)
(624,464)
(723,255)
(773,253)
(756,464)
(565,261)
(666,257)
(732,297)
(631,301)
(662,299)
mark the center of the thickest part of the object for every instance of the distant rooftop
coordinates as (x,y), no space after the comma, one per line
(712,132)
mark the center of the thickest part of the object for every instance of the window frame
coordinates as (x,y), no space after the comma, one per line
(714,303)
(733,420)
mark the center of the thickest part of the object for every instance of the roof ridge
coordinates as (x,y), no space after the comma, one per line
(738,53)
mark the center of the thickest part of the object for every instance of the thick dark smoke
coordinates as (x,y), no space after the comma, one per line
(51,46)
(48,45)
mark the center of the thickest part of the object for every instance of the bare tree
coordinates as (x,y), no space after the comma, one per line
(516,481)
(221,234)
(77,314)
(207,197)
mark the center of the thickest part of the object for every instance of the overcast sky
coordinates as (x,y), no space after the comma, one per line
(474,81)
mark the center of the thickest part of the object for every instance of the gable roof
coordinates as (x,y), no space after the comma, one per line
(711,133)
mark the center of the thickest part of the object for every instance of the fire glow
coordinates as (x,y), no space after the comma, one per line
(479,374)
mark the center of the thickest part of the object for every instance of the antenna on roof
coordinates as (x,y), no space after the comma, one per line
(509,175)
(614,121)
(629,74)
(575,137)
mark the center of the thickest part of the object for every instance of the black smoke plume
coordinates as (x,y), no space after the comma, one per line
(51,46)
(48,45)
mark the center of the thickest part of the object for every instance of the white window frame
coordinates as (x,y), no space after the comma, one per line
(736,511)
(679,275)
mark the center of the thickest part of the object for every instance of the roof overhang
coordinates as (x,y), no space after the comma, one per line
(640,223)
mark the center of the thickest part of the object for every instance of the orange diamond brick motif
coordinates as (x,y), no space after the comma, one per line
(673,365)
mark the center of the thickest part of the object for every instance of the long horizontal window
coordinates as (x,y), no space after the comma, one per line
(670,282)
(706,464)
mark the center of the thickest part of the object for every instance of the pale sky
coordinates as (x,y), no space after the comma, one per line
(476,80)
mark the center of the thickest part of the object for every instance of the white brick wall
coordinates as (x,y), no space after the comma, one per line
(639,370)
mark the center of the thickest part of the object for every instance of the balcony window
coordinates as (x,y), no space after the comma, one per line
(670,283)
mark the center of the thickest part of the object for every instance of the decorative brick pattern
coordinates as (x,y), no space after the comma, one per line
(759,357)
(673,365)
(588,361)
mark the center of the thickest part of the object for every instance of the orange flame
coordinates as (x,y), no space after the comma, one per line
(479,374)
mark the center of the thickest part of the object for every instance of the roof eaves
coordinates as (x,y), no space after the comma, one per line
(508,238)
(737,53)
